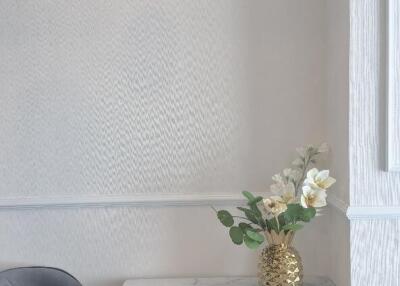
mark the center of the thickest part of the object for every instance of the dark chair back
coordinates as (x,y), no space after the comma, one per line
(37,276)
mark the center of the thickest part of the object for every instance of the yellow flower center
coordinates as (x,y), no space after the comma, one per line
(310,199)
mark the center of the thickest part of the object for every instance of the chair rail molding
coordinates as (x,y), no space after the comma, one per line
(147,200)
(373,212)
(393,86)
(182,199)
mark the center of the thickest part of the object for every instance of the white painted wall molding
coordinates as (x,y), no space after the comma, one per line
(373,212)
(392,86)
(148,200)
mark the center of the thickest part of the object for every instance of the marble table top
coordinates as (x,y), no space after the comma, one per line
(219,281)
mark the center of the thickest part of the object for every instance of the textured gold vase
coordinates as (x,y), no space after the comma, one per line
(280,263)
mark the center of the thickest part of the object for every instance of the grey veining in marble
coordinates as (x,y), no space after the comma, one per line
(220,281)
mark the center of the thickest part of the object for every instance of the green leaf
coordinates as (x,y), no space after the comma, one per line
(272,225)
(281,219)
(258,215)
(255,209)
(225,218)
(250,243)
(244,226)
(255,201)
(252,200)
(293,227)
(249,196)
(236,235)
(250,214)
(308,214)
(255,235)
(268,224)
(293,213)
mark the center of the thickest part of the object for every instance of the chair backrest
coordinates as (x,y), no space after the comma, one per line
(37,276)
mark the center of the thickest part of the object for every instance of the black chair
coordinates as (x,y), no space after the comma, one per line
(37,276)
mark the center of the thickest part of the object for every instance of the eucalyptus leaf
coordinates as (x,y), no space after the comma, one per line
(293,213)
(250,214)
(255,235)
(236,235)
(250,243)
(308,214)
(273,225)
(269,225)
(293,227)
(244,226)
(225,218)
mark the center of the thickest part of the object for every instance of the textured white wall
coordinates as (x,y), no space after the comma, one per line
(123,97)
(393,85)
(367,108)
(374,243)
(137,97)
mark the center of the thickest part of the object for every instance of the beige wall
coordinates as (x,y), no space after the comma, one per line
(336,132)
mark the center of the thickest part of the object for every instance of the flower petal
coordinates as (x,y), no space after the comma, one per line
(320,199)
(328,182)
(277,178)
(321,176)
(304,202)
(298,162)
(312,173)
(307,190)
(275,198)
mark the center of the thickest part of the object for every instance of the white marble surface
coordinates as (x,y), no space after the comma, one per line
(219,281)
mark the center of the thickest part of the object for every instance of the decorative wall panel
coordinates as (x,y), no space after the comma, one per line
(369,184)
(374,243)
(393,85)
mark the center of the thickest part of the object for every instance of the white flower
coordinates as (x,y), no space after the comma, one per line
(298,162)
(280,188)
(324,147)
(274,206)
(318,180)
(315,198)
(292,174)
(288,197)
(302,151)
(277,178)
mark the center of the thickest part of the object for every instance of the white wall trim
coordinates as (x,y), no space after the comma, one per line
(392,47)
(373,212)
(145,200)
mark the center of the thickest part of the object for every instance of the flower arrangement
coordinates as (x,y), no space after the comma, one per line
(298,193)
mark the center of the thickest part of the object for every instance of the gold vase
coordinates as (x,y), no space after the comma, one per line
(280,263)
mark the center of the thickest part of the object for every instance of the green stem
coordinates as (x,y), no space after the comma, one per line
(277,223)
(307,160)
(242,218)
